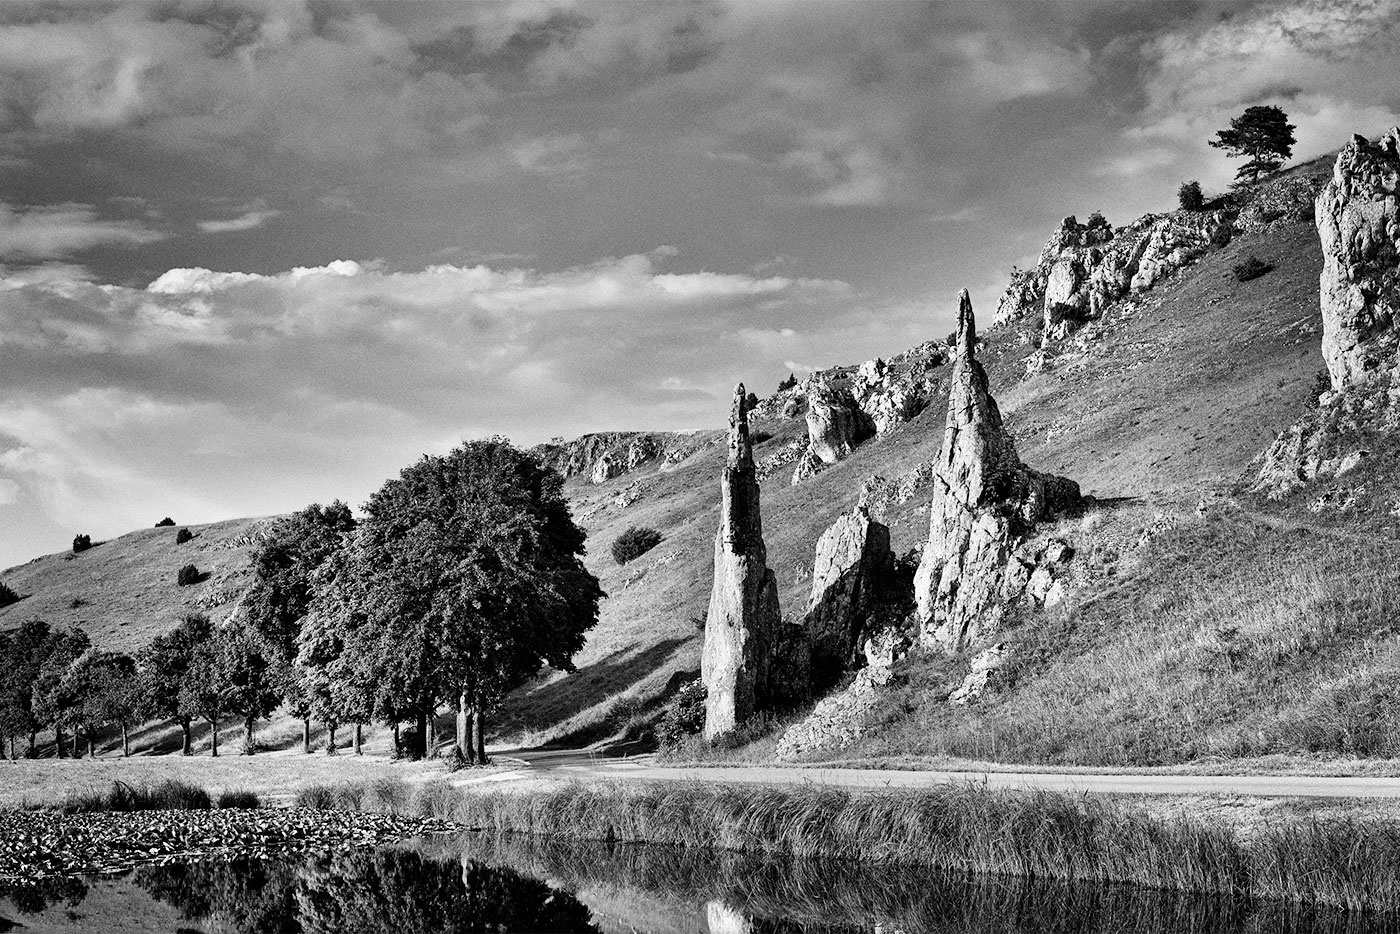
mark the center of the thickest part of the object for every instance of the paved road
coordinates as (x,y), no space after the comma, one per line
(580,764)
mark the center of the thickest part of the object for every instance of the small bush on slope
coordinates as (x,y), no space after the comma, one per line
(1232,639)
(189,574)
(7,595)
(634,543)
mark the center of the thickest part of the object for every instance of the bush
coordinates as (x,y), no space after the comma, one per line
(751,401)
(183,536)
(1251,268)
(189,574)
(684,716)
(1190,197)
(788,383)
(237,799)
(758,437)
(1097,221)
(634,543)
(164,522)
(81,543)
(7,595)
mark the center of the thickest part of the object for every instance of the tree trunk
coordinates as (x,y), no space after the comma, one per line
(13,757)
(187,741)
(58,741)
(92,752)
(126,741)
(248,734)
(31,753)
(306,735)
(398,740)
(213,736)
(330,738)
(420,742)
(358,738)
(464,744)
(76,751)
(479,735)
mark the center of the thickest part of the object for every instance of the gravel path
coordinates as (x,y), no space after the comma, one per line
(37,844)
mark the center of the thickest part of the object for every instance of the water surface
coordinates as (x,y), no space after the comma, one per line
(477,883)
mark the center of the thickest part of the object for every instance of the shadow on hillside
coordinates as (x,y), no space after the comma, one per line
(551,704)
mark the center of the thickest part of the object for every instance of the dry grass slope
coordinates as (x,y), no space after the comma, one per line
(123,591)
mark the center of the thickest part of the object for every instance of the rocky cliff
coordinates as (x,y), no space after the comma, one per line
(985,501)
(1358,225)
(743,620)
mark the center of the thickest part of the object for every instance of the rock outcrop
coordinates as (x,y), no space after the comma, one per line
(1085,268)
(844,406)
(741,626)
(1358,221)
(853,568)
(985,502)
(835,425)
(606,455)
(840,719)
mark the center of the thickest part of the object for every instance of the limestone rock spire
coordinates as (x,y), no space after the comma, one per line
(743,619)
(984,502)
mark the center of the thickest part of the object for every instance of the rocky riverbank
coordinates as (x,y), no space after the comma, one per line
(40,844)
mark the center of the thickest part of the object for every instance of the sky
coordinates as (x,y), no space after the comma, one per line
(257,255)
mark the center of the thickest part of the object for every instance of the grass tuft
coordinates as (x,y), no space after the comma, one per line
(237,798)
(169,795)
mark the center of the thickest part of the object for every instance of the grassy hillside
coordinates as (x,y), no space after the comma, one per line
(123,591)
(1168,400)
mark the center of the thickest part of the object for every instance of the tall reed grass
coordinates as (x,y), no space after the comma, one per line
(169,795)
(967,828)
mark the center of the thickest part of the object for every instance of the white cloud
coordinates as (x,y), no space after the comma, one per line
(245,221)
(59,229)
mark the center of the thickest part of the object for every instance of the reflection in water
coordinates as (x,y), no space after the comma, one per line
(480,883)
(391,889)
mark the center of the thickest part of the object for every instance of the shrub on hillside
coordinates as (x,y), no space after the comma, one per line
(1252,268)
(634,543)
(164,522)
(758,437)
(7,595)
(1097,221)
(81,543)
(751,401)
(189,574)
(788,383)
(684,716)
(183,536)
(1190,197)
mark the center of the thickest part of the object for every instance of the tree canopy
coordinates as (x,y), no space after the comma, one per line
(465,578)
(1263,135)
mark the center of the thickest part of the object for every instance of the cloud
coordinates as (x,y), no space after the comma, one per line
(245,221)
(61,229)
(228,393)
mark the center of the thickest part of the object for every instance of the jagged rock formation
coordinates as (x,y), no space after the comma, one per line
(1358,223)
(985,501)
(741,626)
(853,567)
(835,425)
(846,405)
(603,456)
(1085,268)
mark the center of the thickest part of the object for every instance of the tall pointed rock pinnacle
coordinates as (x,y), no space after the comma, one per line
(985,501)
(742,623)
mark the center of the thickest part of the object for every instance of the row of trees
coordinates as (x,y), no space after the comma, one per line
(464,579)
(57,681)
